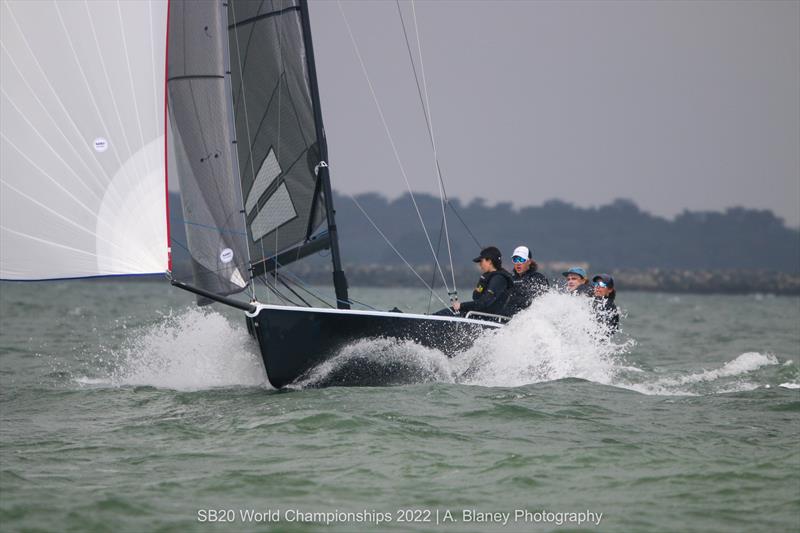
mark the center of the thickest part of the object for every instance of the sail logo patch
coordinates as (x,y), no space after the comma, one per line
(226,255)
(267,172)
(100,145)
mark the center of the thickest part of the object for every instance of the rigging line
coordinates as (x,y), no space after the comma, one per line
(301,285)
(274,289)
(307,291)
(351,300)
(474,238)
(280,294)
(283,282)
(395,249)
(69,143)
(243,92)
(232,150)
(391,139)
(428,120)
(433,281)
(427,110)
(281,70)
(428,124)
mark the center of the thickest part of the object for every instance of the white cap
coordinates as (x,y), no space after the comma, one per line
(521,251)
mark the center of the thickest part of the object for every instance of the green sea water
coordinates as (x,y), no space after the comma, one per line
(125,408)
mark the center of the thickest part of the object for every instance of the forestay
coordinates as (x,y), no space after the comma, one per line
(82,181)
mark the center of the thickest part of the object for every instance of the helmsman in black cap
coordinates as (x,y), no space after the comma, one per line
(493,288)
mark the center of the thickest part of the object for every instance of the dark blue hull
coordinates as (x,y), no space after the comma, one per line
(293,340)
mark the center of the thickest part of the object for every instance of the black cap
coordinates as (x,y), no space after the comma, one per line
(490,252)
(605,278)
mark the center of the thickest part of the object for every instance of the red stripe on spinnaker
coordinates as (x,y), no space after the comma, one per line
(166,135)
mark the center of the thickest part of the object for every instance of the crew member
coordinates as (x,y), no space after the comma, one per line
(604,295)
(528,282)
(577,282)
(494,286)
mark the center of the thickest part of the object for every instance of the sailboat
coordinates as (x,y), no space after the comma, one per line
(105,104)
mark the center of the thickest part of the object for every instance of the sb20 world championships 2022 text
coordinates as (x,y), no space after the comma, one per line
(432,516)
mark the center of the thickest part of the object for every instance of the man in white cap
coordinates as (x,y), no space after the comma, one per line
(528,283)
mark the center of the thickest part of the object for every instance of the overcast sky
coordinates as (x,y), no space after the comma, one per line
(674,105)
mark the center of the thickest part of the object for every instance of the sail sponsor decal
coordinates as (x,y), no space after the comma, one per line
(100,145)
(278,210)
(226,255)
(269,170)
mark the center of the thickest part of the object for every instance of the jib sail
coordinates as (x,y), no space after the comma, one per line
(202,140)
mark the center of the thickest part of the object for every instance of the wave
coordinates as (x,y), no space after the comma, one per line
(730,377)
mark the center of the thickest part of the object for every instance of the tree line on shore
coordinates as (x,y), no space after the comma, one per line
(610,237)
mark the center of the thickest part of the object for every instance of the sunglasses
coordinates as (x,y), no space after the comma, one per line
(518,259)
(601,284)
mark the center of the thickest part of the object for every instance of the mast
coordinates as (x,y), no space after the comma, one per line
(339,279)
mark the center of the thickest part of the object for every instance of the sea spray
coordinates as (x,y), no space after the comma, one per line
(557,337)
(387,361)
(190,350)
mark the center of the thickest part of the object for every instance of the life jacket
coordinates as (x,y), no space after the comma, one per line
(483,284)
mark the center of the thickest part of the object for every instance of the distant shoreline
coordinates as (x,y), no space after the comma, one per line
(628,280)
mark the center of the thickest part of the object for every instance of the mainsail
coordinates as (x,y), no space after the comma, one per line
(82,185)
(278,149)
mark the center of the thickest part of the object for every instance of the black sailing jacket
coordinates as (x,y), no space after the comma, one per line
(491,293)
(607,313)
(526,287)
